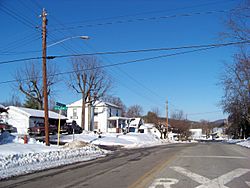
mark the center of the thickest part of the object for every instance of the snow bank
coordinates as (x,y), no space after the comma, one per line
(141,140)
(18,163)
(17,158)
(240,142)
(234,141)
(114,139)
(245,143)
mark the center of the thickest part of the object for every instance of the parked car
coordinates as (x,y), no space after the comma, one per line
(7,127)
(39,129)
(69,127)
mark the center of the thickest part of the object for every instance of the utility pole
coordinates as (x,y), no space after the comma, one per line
(45,93)
(167,116)
(89,112)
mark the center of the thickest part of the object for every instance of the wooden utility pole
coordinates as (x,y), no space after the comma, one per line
(167,116)
(89,113)
(45,93)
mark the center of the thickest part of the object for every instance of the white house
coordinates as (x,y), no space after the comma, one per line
(149,128)
(117,124)
(23,118)
(134,124)
(173,136)
(100,115)
(196,133)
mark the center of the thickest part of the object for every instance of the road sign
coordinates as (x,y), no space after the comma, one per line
(60,108)
(60,104)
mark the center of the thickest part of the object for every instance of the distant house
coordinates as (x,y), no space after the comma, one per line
(196,133)
(98,119)
(135,124)
(117,124)
(149,128)
(23,118)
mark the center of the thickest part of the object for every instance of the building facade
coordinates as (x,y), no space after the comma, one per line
(24,118)
(96,115)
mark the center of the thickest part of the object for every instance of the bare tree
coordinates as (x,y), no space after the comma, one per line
(156,110)
(179,123)
(134,111)
(89,80)
(177,115)
(235,79)
(29,82)
(14,100)
(117,101)
(236,100)
(152,117)
(238,22)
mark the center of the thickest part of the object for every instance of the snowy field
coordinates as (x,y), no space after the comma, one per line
(17,158)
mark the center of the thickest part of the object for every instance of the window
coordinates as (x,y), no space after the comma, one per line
(112,124)
(110,112)
(96,112)
(96,125)
(74,112)
(132,129)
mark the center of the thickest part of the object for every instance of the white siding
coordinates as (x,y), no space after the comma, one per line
(18,120)
(78,117)
(102,111)
(101,118)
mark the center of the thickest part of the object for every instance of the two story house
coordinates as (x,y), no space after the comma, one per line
(98,116)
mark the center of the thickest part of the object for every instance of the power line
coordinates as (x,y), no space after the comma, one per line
(22,19)
(126,62)
(7,53)
(201,113)
(114,72)
(145,19)
(154,49)
(203,47)
(20,44)
(150,12)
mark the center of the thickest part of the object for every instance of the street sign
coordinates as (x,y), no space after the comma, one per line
(60,108)
(60,104)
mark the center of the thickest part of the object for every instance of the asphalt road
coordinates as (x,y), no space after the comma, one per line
(177,165)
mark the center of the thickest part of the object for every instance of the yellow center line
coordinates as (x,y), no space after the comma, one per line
(149,176)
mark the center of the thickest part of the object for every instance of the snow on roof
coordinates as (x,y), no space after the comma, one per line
(135,121)
(97,103)
(117,118)
(147,126)
(107,104)
(36,113)
(75,104)
(2,106)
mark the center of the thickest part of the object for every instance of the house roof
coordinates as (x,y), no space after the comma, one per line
(118,118)
(97,104)
(36,113)
(135,121)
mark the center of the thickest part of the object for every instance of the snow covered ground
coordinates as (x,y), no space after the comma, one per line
(241,142)
(17,158)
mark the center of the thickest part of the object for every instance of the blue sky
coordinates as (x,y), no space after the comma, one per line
(189,81)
